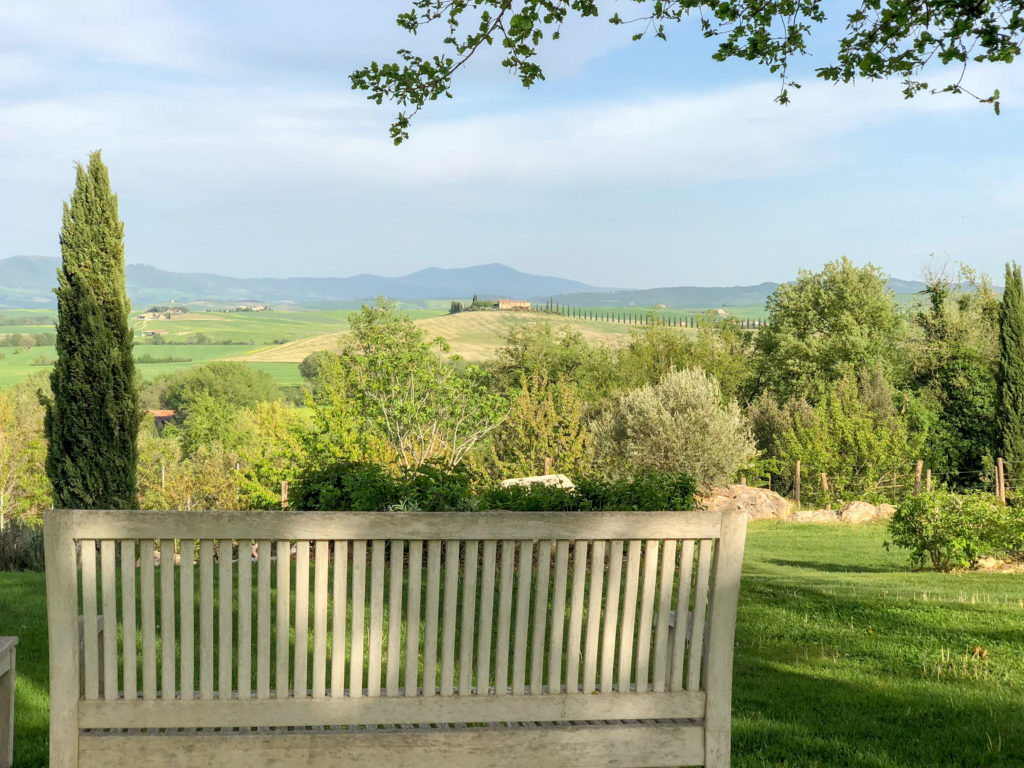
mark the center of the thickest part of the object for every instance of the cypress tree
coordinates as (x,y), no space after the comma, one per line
(1011,372)
(92,417)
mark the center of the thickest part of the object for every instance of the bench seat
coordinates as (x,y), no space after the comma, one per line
(527,744)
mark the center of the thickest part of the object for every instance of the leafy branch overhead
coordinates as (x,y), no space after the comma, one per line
(881,39)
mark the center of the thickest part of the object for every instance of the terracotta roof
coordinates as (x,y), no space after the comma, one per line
(162,414)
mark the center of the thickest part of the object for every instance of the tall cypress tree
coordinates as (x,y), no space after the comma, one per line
(93,416)
(1011,372)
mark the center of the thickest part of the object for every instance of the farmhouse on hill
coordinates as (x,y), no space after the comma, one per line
(511,304)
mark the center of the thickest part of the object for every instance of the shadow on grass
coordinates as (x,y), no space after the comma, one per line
(787,718)
(832,567)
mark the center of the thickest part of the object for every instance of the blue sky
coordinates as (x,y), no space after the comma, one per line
(237,147)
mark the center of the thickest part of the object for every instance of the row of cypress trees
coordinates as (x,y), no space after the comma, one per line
(93,413)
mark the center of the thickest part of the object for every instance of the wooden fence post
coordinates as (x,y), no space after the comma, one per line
(743,479)
(1000,480)
(284,494)
(824,490)
(547,465)
(917,477)
(928,481)
(796,485)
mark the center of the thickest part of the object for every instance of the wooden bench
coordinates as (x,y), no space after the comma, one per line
(405,639)
(8,645)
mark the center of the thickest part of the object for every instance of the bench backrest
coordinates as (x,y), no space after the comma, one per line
(361,618)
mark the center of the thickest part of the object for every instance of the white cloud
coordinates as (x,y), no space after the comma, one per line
(218,139)
(135,31)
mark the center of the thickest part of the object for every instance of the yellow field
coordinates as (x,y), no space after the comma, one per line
(473,336)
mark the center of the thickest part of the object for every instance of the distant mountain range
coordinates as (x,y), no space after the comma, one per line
(27,281)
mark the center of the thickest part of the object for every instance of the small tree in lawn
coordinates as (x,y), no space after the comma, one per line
(92,417)
(1011,371)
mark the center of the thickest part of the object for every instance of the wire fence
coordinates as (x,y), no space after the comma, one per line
(811,487)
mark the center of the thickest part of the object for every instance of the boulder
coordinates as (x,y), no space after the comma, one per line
(853,513)
(758,503)
(864,512)
(815,516)
(552,481)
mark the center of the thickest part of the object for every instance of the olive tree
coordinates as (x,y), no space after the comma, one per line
(680,424)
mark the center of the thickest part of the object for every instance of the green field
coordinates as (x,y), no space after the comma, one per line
(843,657)
(249,333)
(276,342)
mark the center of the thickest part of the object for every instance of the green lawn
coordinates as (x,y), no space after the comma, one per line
(843,657)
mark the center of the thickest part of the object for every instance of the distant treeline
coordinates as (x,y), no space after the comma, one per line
(28,339)
(645,317)
(147,359)
(25,320)
(199,338)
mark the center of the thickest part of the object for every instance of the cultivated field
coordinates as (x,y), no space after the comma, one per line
(276,341)
(473,336)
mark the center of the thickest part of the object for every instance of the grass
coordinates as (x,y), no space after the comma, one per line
(843,657)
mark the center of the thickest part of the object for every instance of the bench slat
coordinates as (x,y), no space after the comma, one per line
(431,613)
(593,617)
(558,616)
(668,566)
(449,617)
(147,599)
(412,628)
(128,643)
(611,616)
(90,653)
(523,585)
(682,613)
(187,629)
(301,624)
(168,634)
(483,652)
(322,555)
(394,641)
(400,709)
(501,648)
(646,624)
(283,616)
(205,619)
(425,526)
(629,615)
(355,674)
(263,620)
(339,626)
(376,641)
(108,569)
(244,686)
(574,630)
(468,624)
(540,613)
(700,604)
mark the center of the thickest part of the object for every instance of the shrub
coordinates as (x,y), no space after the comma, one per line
(352,485)
(645,492)
(345,485)
(950,530)
(21,547)
(677,425)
